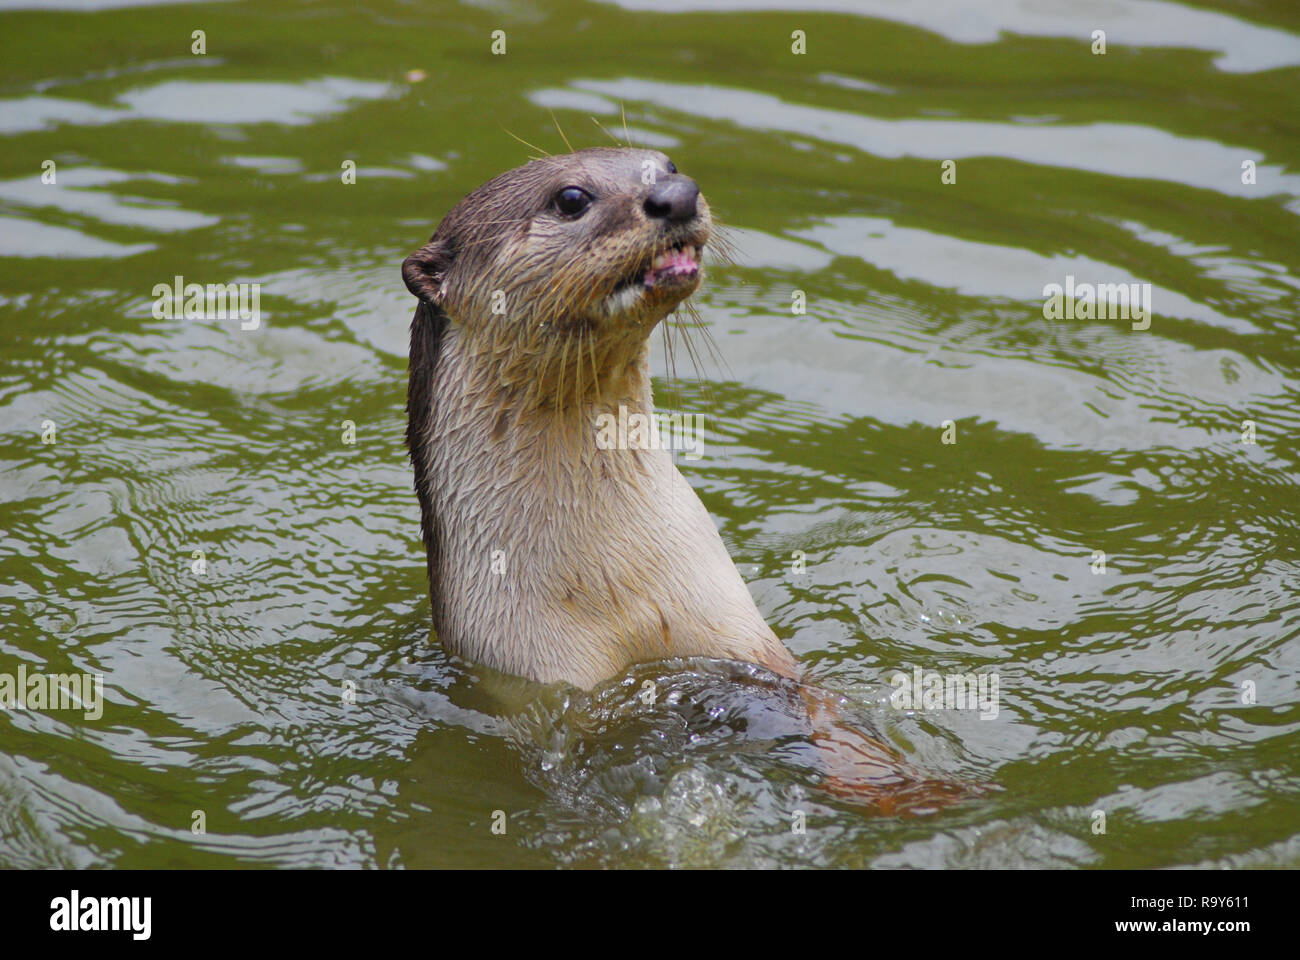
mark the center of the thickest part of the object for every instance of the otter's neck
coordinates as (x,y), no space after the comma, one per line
(554,558)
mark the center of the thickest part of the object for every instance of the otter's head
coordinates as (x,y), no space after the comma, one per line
(600,244)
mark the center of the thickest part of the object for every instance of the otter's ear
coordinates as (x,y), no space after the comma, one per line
(425,271)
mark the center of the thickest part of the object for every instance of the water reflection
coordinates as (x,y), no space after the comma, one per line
(1143,23)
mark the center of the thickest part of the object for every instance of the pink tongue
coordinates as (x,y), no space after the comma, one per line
(677,263)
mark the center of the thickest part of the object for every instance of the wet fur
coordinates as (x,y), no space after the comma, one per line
(610,558)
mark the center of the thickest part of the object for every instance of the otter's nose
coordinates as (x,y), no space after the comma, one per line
(673,198)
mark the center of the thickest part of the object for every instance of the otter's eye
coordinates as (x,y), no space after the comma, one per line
(572,201)
(672,167)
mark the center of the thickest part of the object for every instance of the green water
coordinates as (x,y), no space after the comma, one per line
(1161,692)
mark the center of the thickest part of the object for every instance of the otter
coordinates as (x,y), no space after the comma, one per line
(549,557)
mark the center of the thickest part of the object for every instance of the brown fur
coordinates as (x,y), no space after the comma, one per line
(610,558)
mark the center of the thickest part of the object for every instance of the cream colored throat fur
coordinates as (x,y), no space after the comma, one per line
(561,561)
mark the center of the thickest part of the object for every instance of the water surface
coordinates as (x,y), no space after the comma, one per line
(289,690)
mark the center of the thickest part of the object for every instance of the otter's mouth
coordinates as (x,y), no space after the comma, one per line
(668,276)
(676,266)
